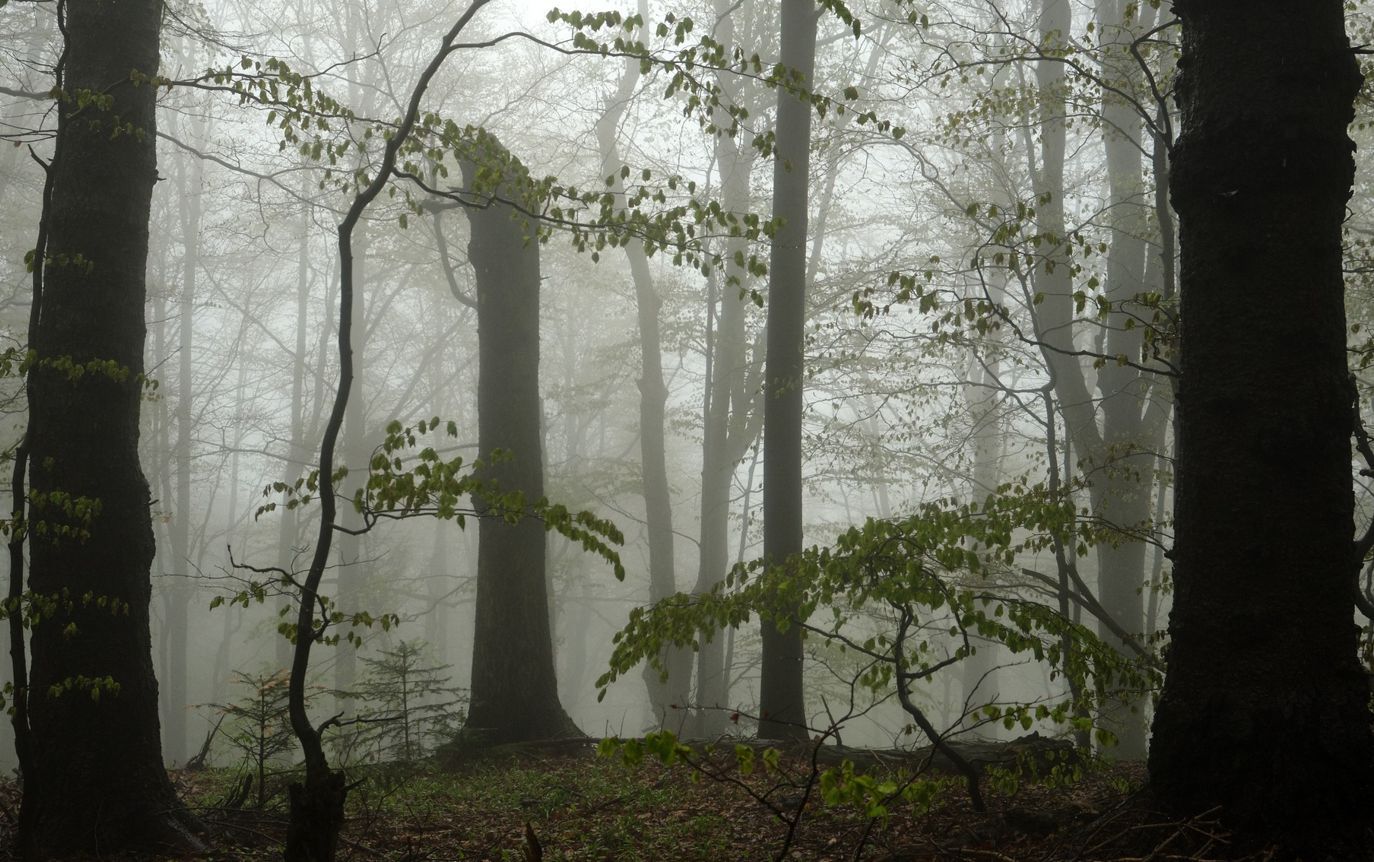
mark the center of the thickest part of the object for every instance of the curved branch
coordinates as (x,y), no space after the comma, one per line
(307,733)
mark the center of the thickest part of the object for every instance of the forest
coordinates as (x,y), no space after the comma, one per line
(687,429)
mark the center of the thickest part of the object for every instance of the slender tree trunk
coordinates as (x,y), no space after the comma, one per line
(666,697)
(353,568)
(158,465)
(317,803)
(1130,438)
(782,707)
(353,565)
(1278,737)
(514,690)
(19,491)
(731,415)
(288,529)
(84,794)
(177,597)
(979,671)
(1117,452)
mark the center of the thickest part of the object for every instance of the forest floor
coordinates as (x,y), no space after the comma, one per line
(580,806)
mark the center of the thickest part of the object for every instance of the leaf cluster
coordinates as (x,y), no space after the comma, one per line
(932,580)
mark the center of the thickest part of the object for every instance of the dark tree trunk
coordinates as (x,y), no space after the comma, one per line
(317,803)
(514,690)
(317,814)
(96,782)
(1265,709)
(782,708)
(354,568)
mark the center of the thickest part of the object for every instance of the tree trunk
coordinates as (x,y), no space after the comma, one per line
(1122,466)
(354,567)
(732,416)
(97,783)
(782,708)
(667,698)
(1278,736)
(288,529)
(979,672)
(177,594)
(514,691)
(1115,455)
(317,803)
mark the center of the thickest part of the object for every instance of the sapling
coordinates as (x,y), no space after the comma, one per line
(409,704)
(258,724)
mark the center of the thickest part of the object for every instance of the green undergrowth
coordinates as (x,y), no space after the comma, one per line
(583,807)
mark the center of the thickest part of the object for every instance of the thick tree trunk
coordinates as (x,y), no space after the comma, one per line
(1265,709)
(514,691)
(96,782)
(317,809)
(782,707)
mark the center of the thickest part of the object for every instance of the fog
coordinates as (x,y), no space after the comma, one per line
(988,312)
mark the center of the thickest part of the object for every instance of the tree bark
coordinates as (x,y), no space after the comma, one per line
(97,782)
(1278,737)
(782,707)
(514,690)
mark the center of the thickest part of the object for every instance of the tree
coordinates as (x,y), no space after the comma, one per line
(1279,737)
(1115,454)
(259,726)
(90,533)
(317,802)
(177,598)
(514,690)
(672,693)
(411,706)
(732,410)
(781,706)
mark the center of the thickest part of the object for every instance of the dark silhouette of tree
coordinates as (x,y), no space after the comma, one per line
(782,709)
(1265,711)
(514,690)
(95,781)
